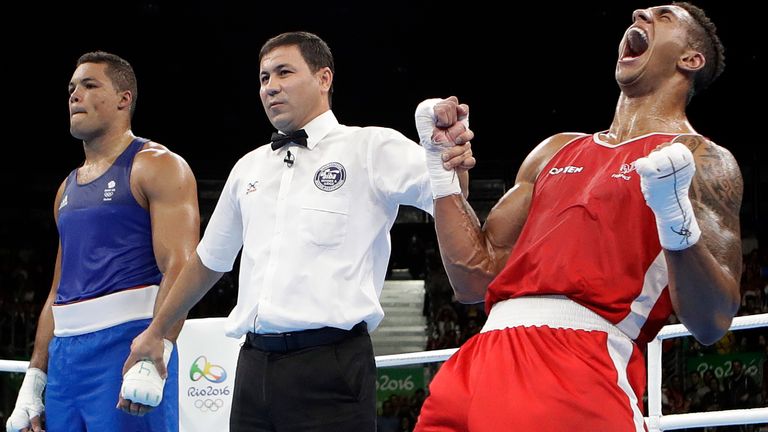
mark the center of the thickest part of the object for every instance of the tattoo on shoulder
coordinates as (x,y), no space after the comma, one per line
(717,184)
(693,142)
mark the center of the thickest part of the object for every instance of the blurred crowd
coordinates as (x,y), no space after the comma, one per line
(732,373)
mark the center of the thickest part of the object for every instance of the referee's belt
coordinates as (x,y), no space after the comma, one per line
(292,341)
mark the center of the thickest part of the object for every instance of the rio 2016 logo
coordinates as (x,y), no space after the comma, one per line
(201,368)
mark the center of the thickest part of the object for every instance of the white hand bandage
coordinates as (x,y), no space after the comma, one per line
(29,403)
(142,383)
(665,177)
(444,182)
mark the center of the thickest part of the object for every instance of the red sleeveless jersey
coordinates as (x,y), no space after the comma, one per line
(591,237)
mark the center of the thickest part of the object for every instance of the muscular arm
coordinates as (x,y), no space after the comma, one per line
(44,332)
(704,279)
(193,282)
(474,255)
(166,183)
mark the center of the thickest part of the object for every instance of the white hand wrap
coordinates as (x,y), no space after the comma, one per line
(444,182)
(665,177)
(142,383)
(29,403)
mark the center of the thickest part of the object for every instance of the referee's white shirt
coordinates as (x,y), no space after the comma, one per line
(315,235)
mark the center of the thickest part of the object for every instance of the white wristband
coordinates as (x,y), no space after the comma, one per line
(679,232)
(167,351)
(29,403)
(444,182)
(665,178)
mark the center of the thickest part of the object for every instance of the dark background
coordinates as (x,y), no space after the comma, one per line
(540,69)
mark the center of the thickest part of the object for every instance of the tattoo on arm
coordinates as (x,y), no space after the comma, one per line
(718,183)
(717,191)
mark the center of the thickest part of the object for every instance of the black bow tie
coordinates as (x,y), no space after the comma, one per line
(299,137)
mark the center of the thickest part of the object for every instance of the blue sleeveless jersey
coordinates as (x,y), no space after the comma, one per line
(106,236)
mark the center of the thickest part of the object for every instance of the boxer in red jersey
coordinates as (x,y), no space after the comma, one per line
(602,237)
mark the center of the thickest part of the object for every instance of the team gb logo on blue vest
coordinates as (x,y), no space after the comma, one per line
(330,176)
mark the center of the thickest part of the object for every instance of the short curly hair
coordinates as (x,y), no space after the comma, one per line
(703,38)
(118,70)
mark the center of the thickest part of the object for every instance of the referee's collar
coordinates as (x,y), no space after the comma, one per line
(319,127)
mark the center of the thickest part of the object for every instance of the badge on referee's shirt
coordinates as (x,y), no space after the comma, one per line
(330,176)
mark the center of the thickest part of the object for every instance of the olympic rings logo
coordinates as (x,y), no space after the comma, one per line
(201,368)
(211,405)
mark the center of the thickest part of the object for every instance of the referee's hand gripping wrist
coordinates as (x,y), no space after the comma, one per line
(441,124)
(144,373)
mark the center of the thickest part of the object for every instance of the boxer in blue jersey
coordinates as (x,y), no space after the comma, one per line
(127,219)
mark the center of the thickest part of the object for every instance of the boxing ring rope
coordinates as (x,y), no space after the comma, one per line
(656,421)
(414,358)
(13,366)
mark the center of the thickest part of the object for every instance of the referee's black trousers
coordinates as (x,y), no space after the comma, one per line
(325,388)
